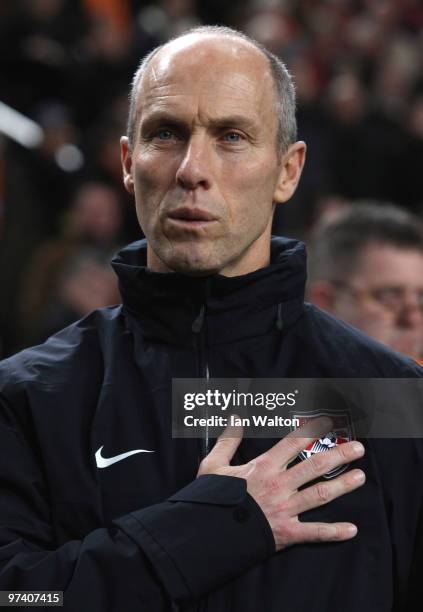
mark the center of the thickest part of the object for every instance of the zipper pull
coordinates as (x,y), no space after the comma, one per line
(199,321)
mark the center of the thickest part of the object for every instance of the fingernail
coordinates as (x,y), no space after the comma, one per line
(358,448)
(359,476)
(352,530)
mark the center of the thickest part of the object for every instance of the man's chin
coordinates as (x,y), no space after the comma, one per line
(195,268)
(183,261)
(407,347)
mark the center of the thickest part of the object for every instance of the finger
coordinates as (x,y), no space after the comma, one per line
(324,492)
(324,462)
(323,532)
(225,447)
(288,448)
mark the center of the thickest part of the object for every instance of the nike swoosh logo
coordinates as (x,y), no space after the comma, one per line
(103,462)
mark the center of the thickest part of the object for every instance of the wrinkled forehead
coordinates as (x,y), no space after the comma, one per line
(192,63)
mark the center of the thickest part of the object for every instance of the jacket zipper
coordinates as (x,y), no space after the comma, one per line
(200,330)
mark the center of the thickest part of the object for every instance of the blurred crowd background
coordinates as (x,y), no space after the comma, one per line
(68,64)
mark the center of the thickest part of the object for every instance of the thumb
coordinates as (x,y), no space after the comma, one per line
(224,449)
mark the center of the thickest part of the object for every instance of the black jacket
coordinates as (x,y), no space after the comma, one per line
(143,534)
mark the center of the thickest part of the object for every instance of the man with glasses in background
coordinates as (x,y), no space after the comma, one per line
(366,268)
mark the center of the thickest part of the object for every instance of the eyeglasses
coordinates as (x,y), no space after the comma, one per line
(392,298)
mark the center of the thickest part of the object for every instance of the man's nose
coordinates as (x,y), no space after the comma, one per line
(195,168)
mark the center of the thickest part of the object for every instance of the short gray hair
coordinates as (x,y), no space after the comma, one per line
(336,245)
(284,85)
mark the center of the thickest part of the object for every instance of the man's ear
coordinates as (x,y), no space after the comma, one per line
(126,159)
(322,294)
(292,164)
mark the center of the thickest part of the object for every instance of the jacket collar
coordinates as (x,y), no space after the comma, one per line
(173,308)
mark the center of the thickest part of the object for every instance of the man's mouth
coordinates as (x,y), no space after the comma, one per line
(190,217)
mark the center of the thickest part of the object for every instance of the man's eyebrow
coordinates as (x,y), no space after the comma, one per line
(160,118)
(165,118)
(235,121)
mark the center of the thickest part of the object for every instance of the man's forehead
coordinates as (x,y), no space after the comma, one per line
(194,59)
(383,262)
(204,45)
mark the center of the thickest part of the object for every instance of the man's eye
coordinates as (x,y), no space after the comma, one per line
(164,134)
(389,296)
(232,137)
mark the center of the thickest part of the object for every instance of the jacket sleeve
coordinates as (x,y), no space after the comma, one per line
(179,550)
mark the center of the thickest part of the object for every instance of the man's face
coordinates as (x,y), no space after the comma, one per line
(205,167)
(384,297)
